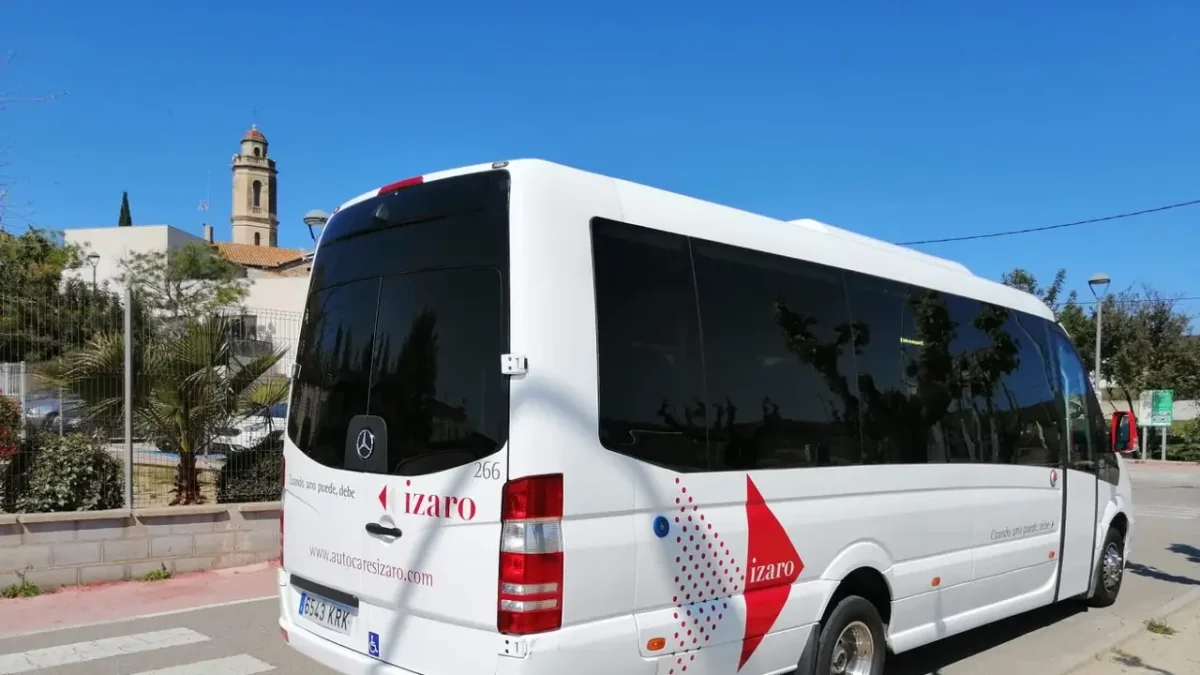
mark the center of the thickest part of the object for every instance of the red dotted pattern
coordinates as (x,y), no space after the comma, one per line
(707,575)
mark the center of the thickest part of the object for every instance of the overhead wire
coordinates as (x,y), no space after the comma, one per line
(1046,228)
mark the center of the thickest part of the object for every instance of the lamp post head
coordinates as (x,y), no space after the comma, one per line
(1099,284)
(93,259)
(316,218)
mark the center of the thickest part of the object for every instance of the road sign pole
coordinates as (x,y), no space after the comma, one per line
(1164,445)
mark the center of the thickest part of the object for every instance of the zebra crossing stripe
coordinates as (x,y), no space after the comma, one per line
(82,652)
(242,664)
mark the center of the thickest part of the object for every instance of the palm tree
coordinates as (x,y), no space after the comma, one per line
(190,384)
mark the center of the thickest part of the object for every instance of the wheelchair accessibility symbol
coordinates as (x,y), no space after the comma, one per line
(373,644)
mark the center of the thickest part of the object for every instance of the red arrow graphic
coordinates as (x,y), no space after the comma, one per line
(773,566)
(383,497)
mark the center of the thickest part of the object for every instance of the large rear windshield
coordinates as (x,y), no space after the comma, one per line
(406,319)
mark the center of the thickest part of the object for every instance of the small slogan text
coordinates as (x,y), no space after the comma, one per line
(1023,530)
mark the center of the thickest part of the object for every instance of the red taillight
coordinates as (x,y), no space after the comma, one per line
(531,556)
(401,184)
(533,497)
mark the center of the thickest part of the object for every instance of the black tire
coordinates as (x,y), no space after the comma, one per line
(1110,572)
(856,611)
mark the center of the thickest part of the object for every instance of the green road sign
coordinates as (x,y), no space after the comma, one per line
(1162,407)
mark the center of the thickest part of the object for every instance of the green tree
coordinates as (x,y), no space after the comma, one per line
(190,281)
(43,311)
(1051,295)
(126,218)
(190,385)
(34,262)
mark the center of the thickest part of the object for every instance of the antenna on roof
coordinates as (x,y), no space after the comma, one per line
(203,208)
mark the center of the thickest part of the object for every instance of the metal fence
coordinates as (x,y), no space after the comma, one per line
(104,404)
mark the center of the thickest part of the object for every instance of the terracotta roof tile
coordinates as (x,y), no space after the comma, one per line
(258,256)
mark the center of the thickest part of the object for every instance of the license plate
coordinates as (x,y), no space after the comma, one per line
(327,613)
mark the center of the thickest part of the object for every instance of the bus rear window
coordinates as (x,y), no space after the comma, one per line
(406,319)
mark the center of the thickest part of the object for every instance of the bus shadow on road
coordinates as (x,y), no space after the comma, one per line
(932,658)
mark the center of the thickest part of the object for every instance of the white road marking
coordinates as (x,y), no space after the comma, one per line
(1165,511)
(242,664)
(82,652)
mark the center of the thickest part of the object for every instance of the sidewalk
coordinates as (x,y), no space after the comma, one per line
(1147,653)
(86,605)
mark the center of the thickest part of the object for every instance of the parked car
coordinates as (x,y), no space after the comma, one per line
(253,431)
(42,410)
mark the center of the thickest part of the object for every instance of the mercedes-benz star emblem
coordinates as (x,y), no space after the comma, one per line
(365,443)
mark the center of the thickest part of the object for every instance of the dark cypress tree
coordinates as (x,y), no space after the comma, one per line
(126,219)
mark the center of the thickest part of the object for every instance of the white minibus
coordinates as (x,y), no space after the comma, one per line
(544,421)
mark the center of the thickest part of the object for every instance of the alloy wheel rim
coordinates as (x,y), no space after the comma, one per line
(1113,566)
(854,652)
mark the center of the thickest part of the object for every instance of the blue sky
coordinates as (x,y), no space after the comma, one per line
(902,121)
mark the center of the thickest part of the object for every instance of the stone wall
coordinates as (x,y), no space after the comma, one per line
(87,547)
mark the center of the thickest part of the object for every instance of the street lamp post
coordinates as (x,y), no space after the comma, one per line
(1099,286)
(93,260)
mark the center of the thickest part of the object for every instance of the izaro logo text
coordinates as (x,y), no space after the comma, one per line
(373,567)
(450,507)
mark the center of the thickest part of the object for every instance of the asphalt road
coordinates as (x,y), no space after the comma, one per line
(243,639)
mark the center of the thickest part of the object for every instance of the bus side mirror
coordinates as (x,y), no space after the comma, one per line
(1124,435)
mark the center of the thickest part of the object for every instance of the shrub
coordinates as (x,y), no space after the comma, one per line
(1184,441)
(71,473)
(10,427)
(252,475)
(14,475)
(14,454)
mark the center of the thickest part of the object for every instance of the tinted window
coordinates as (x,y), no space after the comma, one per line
(948,378)
(1107,468)
(454,222)
(1081,451)
(652,402)
(334,359)
(405,322)
(778,359)
(1031,425)
(436,380)
(903,371)
(790,363)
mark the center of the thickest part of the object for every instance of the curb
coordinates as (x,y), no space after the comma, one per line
(1122,636)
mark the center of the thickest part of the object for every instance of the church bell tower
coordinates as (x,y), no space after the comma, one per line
(254,193)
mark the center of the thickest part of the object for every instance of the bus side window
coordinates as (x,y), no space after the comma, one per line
(1108,470)
(1077,417)
(648,337)
(778,359)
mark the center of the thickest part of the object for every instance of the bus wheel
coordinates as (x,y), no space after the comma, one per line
(852,640)
(1110,570)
